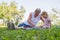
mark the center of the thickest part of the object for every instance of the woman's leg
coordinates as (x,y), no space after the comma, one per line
(27,26)
(19,25)
(23,25)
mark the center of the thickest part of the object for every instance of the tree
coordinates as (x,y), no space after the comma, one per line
(9,12)
(55,16)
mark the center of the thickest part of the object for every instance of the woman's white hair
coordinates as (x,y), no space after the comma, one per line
(38,9)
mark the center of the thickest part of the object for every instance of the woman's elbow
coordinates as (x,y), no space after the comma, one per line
(28,20)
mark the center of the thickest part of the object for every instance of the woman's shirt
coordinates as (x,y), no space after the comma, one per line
(35,20)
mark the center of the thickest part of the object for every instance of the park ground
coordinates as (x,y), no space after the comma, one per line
(32,34)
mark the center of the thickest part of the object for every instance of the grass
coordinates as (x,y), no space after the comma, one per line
(33,34)
(3,26)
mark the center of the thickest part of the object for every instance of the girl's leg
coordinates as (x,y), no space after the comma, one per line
(40,27)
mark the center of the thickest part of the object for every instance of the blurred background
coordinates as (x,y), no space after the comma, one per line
(18,10)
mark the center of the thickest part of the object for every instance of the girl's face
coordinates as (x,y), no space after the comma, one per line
(45,16)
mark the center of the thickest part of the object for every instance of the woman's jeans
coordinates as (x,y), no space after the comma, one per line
(24,25)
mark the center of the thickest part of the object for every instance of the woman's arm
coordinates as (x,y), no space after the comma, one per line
(29,20)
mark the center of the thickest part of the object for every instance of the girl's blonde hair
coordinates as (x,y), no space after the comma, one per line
(44,13)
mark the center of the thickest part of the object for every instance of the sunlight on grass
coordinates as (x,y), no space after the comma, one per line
(2,26)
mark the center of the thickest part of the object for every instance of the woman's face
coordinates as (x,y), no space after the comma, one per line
(37,13)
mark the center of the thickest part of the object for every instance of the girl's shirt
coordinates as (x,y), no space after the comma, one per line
(47,22)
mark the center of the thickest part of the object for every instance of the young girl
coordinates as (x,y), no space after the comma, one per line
(46,20)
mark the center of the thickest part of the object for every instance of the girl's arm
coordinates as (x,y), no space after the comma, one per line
(42,18)
(50,23)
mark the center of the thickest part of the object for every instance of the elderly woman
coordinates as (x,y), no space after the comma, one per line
(32,20)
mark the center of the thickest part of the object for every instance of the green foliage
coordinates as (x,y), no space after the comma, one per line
(9,11)
(55,16)
(33,34)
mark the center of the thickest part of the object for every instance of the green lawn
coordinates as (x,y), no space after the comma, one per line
(33,34)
